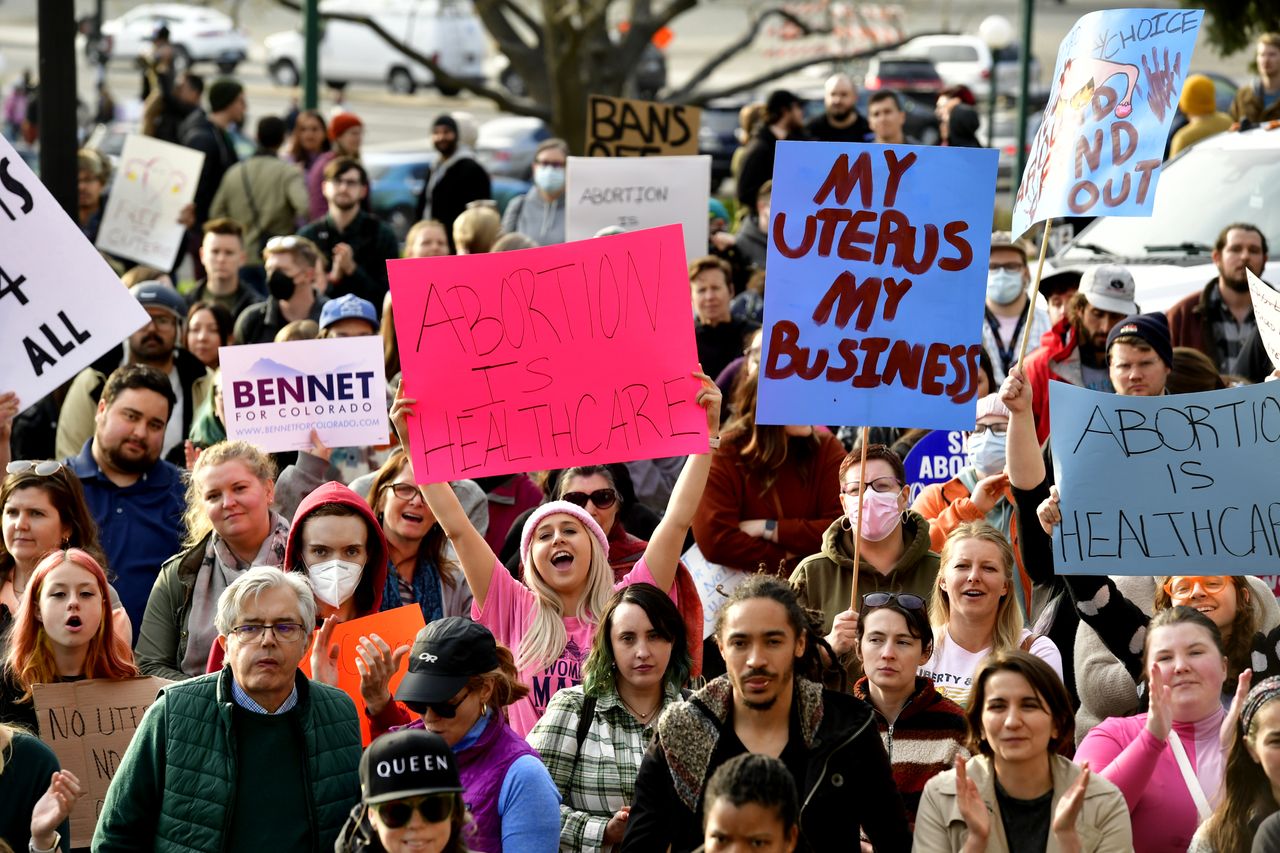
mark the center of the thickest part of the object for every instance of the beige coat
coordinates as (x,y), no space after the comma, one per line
(1103,825)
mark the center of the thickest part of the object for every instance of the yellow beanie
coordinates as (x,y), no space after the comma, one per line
(1197,96)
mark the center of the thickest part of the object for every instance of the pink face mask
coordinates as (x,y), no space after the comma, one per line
(880,517)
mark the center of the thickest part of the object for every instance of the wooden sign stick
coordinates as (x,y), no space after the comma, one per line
(1035,291)
(857,533)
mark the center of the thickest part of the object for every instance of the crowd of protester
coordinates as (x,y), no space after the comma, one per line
(564,693)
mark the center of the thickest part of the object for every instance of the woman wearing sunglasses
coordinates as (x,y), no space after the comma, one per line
(896,554)
(923,731)
(974,612)
(551,621)
(593,736)
(410,798)
(42,509)
(460,683)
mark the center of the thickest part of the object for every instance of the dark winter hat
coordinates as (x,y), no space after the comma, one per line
(222,93)
(446,120)
(407,763)
(1152,328)
(446,654)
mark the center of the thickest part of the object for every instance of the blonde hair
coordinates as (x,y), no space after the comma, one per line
(546,638)
(298,330)
(259,464)
(476,229)
(1008,628)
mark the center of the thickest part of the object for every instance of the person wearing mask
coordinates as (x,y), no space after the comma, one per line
(456,179)
(784,120)
(564,554)
(209,327)
(957,118)
(895,555)
(213,751)
(1185,661)
(411,798)
(719,337)
(294,279)
(42,509)
(1075,349)
(461,684)
(751,803)
(136,498)
(36,797)
(307,141)
(974,612)
(346,135)
(1017,791)
(923,731)
(222,255)
(1219,318)
(840,120)
(266,195)
(593,736)
(357,243)
(230,528)
(155,345)
(210,134)
(1006,304)
(64,631)
(539,213)
(771,701)
(1259,101)
(1199,104)
(888,119)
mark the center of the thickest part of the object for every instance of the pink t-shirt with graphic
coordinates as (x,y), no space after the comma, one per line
(508,612)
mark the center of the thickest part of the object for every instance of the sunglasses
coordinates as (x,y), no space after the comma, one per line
(443,710)
(905,600)
(434,808)
(602,498)
(46,468)
(1182,587)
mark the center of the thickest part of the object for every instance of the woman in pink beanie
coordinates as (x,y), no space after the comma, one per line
(550,619)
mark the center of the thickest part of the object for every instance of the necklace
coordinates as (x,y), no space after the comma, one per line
(644,718)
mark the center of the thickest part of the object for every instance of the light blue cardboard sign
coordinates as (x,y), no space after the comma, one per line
(1181,484)
(936,458)
(877,276)
(1114,94)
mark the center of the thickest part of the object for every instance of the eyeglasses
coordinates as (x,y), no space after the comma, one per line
(883,485)
(434,808)
(405,491)
(602,498)
(284,632)
(443,710)
(905,599)
(1184,587)
(994,429)
(1012,266)
(45,468)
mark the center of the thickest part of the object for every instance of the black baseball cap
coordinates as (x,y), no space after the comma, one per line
(446,654)
(407,763)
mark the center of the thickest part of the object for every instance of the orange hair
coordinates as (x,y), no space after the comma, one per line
(30,659)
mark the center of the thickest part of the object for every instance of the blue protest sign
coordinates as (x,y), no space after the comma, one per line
(936,458)
(1114,95)
(1166,485)
(877,275)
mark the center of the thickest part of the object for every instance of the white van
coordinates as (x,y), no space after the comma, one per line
(447,30)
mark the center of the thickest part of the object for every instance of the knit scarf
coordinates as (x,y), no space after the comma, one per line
(426,589)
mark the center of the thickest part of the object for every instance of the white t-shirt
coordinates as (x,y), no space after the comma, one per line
(952,667)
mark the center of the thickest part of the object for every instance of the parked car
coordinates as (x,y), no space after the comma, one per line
(197,34)
(718,135)
(506,145)
(449,31)
(1225,178)
(965,60)
(913,76)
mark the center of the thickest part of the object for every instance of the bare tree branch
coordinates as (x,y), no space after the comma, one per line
(642,28)
(504,101)
(741,43)
(524,17)
(701,98)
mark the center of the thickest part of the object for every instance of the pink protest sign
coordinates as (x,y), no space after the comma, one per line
(545,358)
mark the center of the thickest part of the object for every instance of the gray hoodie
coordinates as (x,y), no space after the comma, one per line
(536,218)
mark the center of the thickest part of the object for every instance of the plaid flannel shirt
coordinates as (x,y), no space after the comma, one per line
(605,777)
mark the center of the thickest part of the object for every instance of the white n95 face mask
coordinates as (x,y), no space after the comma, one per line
(334,581)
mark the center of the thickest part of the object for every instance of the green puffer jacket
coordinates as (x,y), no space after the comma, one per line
(173,789)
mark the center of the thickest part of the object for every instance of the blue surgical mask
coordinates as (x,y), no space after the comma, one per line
(987,450)
(549,179)
(1004,286)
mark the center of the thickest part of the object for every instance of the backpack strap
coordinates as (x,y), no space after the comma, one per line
(1026,644)
(585,718)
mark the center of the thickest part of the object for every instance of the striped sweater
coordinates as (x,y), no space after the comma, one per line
(922,741)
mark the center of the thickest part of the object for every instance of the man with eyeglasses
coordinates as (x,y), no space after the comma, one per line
(1005,315)
(357,244)
(156,345)
(254,757)
(539,213)
(293,275)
